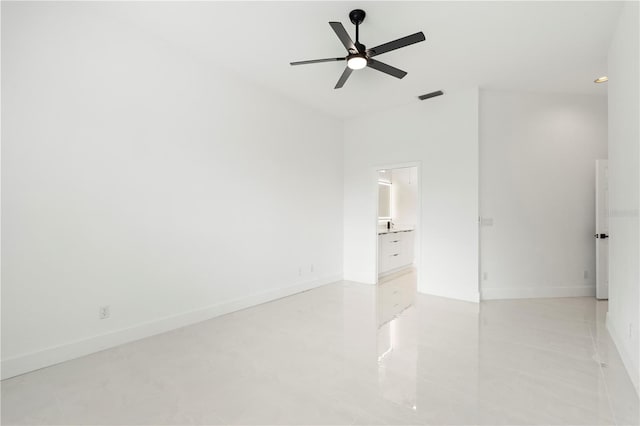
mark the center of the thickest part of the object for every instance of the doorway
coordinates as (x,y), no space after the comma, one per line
(397,222)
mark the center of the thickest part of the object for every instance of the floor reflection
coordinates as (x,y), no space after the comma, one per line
(397,349)
(345,354)
(533,361)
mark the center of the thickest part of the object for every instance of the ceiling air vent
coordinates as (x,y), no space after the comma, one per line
(430,95)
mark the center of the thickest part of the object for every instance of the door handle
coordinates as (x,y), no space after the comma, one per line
(602,236)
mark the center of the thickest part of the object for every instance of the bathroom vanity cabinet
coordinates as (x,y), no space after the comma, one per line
(395,250)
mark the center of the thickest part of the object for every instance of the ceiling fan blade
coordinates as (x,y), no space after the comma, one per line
(343,36)
(343,78)
(315,61)
(396,44)
(387,69)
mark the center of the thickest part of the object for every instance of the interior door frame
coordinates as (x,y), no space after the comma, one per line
(602,218)
(418,230)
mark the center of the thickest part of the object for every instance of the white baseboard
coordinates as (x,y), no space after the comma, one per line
(394,273)
(492,293)
(617,338)
(466,296)
(33,361)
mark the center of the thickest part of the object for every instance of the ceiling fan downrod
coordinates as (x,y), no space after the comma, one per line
(356,17)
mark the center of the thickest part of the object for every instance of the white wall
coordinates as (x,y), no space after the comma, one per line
(441,134)
(624,188)
(133,176)
(404,196)
(537,192)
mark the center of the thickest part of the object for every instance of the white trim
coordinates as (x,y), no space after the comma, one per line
(624,355)
(400,270)
(32,361)
(491,293)
(466,296)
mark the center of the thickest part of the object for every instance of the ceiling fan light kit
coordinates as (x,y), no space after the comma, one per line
(359,56)
(356,62)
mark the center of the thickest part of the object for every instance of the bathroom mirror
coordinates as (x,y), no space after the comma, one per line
(384,201)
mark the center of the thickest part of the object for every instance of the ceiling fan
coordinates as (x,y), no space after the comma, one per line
(359,56)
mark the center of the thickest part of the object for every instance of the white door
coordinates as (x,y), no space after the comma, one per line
(602,229)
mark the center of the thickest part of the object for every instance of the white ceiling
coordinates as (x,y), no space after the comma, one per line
(535,46)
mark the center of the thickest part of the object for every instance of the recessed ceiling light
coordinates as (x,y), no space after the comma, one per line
(602,79)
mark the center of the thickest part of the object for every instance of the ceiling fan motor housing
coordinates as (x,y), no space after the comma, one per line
(357,16)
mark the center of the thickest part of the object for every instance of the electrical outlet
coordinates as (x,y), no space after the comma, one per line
(485,276)
(104,312)
(486,221)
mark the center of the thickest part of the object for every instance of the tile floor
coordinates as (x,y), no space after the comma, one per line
(348,353)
